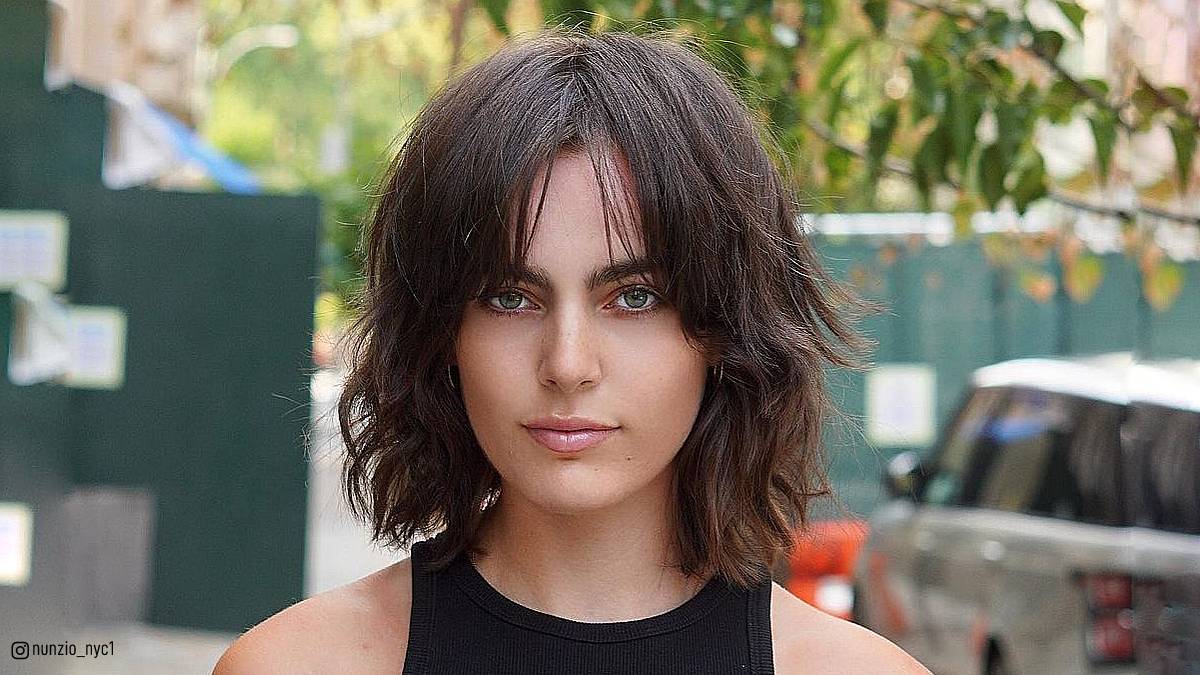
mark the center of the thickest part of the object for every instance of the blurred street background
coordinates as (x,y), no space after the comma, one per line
(182,184)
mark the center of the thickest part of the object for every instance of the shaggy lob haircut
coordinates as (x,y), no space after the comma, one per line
(678,157)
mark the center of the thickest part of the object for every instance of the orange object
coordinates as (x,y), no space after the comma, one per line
(823,558)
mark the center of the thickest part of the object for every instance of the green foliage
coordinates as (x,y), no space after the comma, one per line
(1183,137)
(833,65)
(927,98)
(574,13)
(952,89)
(362,65)
(1030,183)
(883,127)
(877,12)
(1104,131)
(963,110)
(1074,13)
(929,165)
(496,10)
(991,175)
(1048,42)
(1060,102)
(819,15)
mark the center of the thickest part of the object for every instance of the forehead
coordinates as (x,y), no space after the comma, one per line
(581,216)
(583,210)
(567,220)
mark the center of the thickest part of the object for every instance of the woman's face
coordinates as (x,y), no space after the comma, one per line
(558,347)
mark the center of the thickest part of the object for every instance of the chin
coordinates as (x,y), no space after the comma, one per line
(574,499)
(576,492)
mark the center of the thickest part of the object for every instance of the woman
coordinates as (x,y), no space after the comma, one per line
(589,367)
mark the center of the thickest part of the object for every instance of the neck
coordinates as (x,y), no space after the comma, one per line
(615,564)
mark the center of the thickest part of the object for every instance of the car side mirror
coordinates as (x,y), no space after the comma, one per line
(903,476)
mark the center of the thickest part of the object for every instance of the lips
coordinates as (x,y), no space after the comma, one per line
(570,441)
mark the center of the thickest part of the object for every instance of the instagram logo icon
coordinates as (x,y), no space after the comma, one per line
(20,650)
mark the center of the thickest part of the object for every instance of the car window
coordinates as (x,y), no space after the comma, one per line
(1064,462)
(1021,445)
(945,483)
(1032,451)
(1094,468)
(1162,456)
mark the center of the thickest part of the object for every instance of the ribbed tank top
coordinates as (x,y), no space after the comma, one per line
(461,625)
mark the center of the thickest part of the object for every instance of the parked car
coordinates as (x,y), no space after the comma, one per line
(1054,528)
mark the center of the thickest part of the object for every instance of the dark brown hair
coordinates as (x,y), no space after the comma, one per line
(716,217)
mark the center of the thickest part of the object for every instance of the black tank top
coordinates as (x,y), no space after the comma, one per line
(461,625)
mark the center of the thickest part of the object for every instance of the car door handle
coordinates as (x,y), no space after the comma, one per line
(992,551)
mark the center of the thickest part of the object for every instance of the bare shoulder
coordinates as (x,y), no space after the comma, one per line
(361,627)
(807,640)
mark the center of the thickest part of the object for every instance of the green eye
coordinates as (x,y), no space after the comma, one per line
(510,300)
(636,297)
(632,300)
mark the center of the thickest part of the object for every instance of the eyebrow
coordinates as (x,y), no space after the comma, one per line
(600,276)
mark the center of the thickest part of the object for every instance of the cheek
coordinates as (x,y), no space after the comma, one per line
(488,354)
(676,393)
(662,381)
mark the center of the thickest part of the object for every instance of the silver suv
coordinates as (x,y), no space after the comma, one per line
(1055,527)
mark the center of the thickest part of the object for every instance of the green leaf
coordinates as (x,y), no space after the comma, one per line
(496,9)
(883,127)
(1177,95)
(1146,103)
(877,12)
(833,65)
(1031,183)
(1061,99)
(963,109)
(926,97)
(1048,43)
(837,163)
(1074,13)
(835,103)
(1183,137)
(1097,84)
(1000,30)
(1104,131)
(819,15)
(1012,128)
(999,77)
(929,165)
(991,175)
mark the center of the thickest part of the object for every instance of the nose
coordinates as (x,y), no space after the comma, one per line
(570,356)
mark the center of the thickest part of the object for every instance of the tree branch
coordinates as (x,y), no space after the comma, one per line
(903,168)
(1094,95)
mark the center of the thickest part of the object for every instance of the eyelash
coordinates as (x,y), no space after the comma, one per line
(484,300)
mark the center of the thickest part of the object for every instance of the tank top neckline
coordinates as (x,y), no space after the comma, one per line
(463,571)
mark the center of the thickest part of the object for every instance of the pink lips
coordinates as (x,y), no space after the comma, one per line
(570,441)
